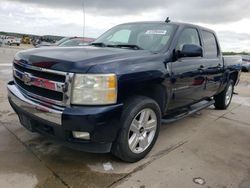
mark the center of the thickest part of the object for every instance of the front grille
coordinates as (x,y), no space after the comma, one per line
(42,84)
(40,91)
(49,76)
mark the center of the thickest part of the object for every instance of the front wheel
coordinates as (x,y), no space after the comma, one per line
(140,124)
(223,100)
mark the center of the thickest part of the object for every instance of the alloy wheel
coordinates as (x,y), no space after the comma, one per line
(142,130)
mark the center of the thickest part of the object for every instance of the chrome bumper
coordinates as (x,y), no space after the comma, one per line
(31,107)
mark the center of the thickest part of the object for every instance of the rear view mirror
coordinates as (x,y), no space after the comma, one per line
(191,50)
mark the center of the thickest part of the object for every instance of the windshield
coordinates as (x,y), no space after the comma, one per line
(147,36)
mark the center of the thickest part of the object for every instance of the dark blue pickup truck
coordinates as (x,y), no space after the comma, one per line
(113,95)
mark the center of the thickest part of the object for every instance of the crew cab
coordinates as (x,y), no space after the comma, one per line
(113,95)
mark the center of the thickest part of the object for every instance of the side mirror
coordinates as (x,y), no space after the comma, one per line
(191,50)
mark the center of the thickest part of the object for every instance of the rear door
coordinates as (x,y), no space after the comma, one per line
(187,75)
(213,66)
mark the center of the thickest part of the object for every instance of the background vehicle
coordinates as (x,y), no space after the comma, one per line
(66,42)
(63,40)
(42,43)
(245,63)
(113,95)
(25,40)
(78,41)
(12,41)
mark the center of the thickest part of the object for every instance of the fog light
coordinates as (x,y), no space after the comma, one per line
(81,135)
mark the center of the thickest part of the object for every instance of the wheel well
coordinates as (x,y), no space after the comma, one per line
(244,69)
(234,77)
(156,92)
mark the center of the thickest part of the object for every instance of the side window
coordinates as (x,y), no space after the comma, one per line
(121,36)
(210,45)
(188,36)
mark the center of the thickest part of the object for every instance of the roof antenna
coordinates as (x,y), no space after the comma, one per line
(167,20)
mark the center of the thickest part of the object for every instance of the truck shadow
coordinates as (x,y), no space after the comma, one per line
(78,168)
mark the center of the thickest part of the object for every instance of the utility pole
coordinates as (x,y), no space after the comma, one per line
(83,18)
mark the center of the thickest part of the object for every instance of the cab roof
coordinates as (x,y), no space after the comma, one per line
(182,24)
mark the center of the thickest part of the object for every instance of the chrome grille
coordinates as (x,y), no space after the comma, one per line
(45,85)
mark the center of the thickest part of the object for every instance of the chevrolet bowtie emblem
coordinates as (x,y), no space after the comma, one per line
(26,79)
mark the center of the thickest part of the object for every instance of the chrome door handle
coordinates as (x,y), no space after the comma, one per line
(201,68)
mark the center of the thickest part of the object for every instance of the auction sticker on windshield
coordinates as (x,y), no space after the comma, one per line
(156,32)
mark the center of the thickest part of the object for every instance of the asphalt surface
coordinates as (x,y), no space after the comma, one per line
(208,149)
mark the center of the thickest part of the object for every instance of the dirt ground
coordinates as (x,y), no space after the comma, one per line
(209,149)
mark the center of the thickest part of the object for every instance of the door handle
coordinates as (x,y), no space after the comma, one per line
(201,68)
(219,65)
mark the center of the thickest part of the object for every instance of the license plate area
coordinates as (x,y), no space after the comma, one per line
(26,122)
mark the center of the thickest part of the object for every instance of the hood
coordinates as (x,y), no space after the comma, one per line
(77,59)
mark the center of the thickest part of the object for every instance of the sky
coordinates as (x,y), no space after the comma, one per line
(229,18)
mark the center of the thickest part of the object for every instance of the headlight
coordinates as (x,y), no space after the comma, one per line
(94,89)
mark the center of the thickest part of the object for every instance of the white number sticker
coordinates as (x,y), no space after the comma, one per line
(156,32)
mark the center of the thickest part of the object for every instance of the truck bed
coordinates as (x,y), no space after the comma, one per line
(233,61)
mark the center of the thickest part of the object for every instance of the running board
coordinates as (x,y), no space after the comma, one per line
(191,110)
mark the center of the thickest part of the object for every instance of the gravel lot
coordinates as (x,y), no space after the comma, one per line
(208,149)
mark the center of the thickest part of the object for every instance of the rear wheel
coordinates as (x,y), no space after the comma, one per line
(223,100)
(140,127)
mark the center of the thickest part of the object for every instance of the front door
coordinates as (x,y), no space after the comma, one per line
(187,78)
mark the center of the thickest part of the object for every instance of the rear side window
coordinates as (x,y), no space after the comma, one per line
(188,36)
(210,45)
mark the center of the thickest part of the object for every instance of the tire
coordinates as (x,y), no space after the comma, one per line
(142,137)
(223,100)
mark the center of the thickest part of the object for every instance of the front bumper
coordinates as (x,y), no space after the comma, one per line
(102,122)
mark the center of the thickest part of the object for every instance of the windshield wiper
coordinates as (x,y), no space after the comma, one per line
(133,46)
(101,44)
(98,44)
